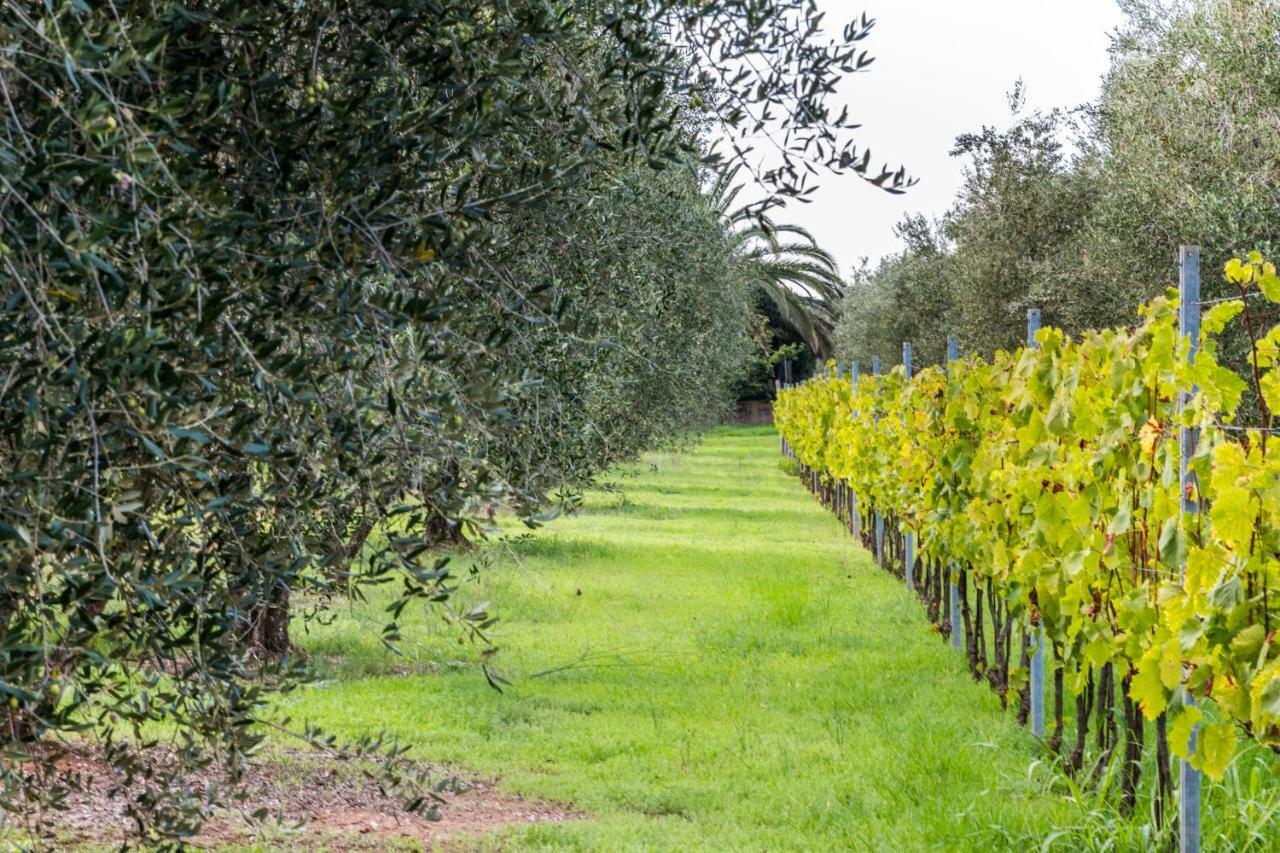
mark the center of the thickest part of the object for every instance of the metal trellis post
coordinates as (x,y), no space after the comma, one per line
(1188,326)
(875,371)
(838,499)
(909,555)
(855,519)
(953,352)
(1037,630)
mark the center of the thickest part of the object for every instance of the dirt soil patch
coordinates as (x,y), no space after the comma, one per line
(315,802)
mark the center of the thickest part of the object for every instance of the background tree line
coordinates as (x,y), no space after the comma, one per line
(1081,212)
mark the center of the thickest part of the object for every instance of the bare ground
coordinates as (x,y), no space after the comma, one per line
(315,802)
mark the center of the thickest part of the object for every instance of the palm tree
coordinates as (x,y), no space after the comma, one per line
(786,264)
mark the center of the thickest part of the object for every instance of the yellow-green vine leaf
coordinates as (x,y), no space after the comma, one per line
(1215,746)
(1180,727)
(1220,315)
(1146,688)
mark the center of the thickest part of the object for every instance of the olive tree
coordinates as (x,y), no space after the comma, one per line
(247,255)
(905,297)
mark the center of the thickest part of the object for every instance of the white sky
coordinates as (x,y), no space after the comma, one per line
(942,68)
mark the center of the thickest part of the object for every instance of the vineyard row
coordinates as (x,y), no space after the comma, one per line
(1110,504)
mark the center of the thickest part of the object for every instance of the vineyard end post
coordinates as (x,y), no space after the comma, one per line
(1037,630)
(1188,326)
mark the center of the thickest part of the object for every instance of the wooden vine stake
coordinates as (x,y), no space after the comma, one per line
(1189,327)
(1037,630)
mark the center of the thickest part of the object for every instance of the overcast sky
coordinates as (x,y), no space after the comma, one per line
(943,68)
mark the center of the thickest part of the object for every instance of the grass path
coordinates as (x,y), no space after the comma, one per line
(704,660)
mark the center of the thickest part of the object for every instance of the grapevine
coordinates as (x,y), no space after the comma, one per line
(1045,482)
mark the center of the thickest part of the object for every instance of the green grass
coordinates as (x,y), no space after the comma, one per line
(701,660)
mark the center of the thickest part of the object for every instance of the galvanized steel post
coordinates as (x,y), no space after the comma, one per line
(953,352)
(1189,327)
(855,518)
(875,371)
(1037,630)
(909,555)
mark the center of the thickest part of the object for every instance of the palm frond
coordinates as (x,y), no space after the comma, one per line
(785,263)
